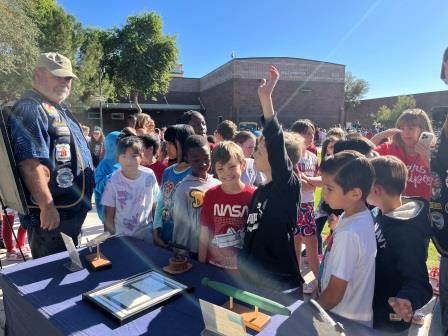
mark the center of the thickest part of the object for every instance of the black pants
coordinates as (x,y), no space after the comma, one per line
(44,242)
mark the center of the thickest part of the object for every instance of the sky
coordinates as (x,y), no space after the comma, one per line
(396,45)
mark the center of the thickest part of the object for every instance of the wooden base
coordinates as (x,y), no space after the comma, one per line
(252,319)
(98,263)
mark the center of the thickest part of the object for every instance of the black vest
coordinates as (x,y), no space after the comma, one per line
(67,166)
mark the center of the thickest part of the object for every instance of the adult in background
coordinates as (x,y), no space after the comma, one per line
(145,124)
(53,157)
(439,204)
(96,145)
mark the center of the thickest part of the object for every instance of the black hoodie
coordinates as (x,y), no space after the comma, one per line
(268,258)
(401,261)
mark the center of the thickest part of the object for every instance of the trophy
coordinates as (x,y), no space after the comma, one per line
(97,260)
(178,262)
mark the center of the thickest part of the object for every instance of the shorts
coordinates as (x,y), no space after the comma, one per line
(306,224)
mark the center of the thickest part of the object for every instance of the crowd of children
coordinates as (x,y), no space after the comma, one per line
(246,204)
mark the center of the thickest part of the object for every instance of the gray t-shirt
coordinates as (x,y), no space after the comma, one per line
(188,201)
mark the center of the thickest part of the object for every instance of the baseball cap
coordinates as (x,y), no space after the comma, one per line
(58,65)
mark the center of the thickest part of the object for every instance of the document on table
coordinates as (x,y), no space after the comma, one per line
(221,321)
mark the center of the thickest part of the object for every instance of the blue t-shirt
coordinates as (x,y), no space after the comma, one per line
(163,218)
(49,132)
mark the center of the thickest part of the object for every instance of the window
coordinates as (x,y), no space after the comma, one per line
(93,115)
(117,116)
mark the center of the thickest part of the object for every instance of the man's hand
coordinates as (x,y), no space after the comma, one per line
(49,217)
(401,307)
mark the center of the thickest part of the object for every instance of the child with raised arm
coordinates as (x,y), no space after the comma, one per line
(268,259)
(401,227)
(224,213)
(348,276)
(189,194)
(130,194)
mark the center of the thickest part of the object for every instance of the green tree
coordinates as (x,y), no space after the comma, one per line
(60,31)
(387,116)
(354,89)
(89,68)
(18,47)
(140,58)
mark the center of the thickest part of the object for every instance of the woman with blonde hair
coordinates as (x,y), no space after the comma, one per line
(406,146)
(144,124)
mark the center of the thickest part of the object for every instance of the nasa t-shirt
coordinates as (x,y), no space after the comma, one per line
(225,216)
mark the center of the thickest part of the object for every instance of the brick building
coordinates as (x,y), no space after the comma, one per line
(429,102)
(307,89)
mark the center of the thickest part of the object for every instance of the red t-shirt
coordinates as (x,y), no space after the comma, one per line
(419,175)
(158,168)
(225,217)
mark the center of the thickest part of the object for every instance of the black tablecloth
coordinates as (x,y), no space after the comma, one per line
(42,297)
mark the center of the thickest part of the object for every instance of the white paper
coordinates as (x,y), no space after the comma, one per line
(222,321)
(72,252)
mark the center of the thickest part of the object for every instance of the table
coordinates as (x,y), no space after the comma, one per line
(42,297)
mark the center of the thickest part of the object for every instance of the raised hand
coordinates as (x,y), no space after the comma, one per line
(267,87)
(376,139)
(265,93)
(401,307)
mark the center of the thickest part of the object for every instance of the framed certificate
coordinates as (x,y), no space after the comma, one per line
(131,296)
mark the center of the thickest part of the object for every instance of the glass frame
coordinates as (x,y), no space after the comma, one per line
(125,298)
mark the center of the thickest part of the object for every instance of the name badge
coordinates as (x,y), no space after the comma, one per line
(63,153)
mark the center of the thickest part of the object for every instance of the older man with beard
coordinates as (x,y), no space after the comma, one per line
(52,156)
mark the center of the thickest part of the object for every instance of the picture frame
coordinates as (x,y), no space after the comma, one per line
(129,297)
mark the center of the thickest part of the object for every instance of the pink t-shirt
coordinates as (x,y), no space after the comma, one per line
(225,216)
(419,175)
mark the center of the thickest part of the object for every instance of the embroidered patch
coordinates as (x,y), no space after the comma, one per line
(64,177)
(63,153)
(436,186)
(50,109)
(437,220)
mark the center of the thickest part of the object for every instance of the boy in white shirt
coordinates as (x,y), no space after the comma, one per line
(129,195)
(348,277)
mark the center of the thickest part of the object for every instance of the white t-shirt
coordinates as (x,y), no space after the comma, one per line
(133,201)
(352,258)
(309,165)
(250,175)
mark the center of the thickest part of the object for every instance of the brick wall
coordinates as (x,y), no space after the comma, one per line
(425,101)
